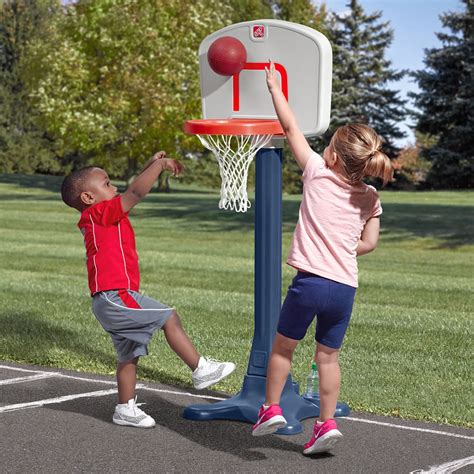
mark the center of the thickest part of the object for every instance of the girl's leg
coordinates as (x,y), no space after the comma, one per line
(327,360)
(126,379)
(179,341)
(325,433)
(279,367)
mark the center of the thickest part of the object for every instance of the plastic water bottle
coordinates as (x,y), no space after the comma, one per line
(312,382)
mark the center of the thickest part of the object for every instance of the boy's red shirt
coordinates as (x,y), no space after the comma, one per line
(112,260)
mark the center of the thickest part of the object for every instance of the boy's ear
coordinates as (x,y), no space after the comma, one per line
(87,198)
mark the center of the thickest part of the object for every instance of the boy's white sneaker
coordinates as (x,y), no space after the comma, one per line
(209,372)
(128,414)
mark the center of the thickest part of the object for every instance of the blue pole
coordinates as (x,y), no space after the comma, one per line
(267,257)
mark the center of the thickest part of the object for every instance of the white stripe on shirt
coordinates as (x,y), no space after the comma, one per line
(123,255)
(93,258)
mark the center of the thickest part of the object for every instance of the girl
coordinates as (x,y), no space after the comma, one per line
(338,221)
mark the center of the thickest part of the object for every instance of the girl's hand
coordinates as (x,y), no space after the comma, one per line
(272,81)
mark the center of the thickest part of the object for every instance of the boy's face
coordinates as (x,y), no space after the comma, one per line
(99,188)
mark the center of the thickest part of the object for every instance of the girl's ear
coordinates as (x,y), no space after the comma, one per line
(333,158)
(87,198)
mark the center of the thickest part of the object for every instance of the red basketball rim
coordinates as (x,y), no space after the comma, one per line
(233,127)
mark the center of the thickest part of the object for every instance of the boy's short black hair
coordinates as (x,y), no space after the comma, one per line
(73,185)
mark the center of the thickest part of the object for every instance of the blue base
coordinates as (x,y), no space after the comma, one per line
(245,405)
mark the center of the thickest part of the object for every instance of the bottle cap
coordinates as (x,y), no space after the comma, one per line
(313,366)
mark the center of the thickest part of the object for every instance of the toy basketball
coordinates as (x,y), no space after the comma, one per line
(227,56)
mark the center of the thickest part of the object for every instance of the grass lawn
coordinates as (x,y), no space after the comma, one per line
(408,351)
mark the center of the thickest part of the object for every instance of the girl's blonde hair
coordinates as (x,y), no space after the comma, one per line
(359,149)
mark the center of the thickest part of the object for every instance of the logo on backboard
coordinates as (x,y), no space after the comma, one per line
(258,32)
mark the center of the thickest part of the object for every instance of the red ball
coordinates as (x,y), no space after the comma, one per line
(227,56)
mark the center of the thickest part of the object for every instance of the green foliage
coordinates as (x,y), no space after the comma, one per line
(446,102)
(122,77)
(304,12)
(24,147)
(247,10)
(411,168)
(362,75)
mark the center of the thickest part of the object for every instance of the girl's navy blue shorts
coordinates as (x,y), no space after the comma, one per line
(311,295)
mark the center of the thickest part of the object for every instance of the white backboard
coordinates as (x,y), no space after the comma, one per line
(303,59)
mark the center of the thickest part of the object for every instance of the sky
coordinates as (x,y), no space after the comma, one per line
(415,23)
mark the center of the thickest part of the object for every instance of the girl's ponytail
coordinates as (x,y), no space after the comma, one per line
(379,166)
(358,147)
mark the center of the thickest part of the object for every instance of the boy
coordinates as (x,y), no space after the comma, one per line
(112,265)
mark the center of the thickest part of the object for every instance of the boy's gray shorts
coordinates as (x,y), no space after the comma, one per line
(130,318)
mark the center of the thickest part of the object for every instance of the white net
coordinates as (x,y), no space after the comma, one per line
(234,153)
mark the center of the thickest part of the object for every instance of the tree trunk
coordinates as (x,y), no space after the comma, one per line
(163,183)
(131,171)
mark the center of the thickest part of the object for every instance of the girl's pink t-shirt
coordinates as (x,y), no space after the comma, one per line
(332,216)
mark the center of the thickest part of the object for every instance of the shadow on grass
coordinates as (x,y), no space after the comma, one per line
(202,213)
(193,210)
(29,331)
(36,181)
(53,184)
(453,225)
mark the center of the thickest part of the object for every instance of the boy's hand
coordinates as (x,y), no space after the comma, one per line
(160,155)
(272,81)
(174,166)
(157,156)
(142,184)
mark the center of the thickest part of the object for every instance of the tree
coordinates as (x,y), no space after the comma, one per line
(362,73)
(114,80)
(247,10)
(446,102)
(411,168)
(304,12)
(24,147)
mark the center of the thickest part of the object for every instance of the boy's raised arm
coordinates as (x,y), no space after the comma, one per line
(297,141)
(144,181)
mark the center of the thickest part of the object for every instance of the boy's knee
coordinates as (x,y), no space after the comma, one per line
(173,320)
(133,361)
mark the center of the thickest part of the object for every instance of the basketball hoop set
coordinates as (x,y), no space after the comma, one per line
(238,114)
(239,124)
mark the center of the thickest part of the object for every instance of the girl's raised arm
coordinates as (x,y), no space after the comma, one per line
(297,141)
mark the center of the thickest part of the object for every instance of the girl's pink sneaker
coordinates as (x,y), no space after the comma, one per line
(325,436)
(269,420)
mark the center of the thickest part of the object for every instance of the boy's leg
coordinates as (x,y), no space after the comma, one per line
(327,360)
(127,412)
(126,380)
(206,372)
(279,367)
(179,341)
